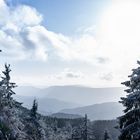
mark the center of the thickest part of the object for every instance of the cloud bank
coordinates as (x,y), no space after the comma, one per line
(109,49)
(24,37)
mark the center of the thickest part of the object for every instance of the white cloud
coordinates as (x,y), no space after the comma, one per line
(113,51)
(66,77)
(106,76)
(20,16)
(26,16)
(118,35)
(34,41)
(13,25)
(68,73)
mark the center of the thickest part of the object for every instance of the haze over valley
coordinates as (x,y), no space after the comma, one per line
(77,100)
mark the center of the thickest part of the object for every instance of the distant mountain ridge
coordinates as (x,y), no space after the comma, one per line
(104,111)
(74,100)
(75,94)
(46,105)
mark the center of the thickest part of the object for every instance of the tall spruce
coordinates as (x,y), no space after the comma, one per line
(6,87)
(130,122)
(34,109)
(85,131)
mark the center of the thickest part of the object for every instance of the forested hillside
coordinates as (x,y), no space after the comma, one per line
(20,123)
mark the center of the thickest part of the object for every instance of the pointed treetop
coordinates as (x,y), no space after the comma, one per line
(34,109)
(138,62)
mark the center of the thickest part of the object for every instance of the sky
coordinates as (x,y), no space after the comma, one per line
(70,42)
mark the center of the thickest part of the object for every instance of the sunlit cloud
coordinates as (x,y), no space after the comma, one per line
(110,48)
(30,38)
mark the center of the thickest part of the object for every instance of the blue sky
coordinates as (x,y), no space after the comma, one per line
(66,16)
(70,42)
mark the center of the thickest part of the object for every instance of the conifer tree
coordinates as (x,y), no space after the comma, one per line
(85,135)
(130,122)
(106,135)
(6,87)
(34,109)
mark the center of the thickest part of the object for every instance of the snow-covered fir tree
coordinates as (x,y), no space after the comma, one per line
(34,109)
(6,87)
(130,121)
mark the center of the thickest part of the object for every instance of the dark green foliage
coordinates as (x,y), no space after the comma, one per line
(5,132)
(33,129)
(62,123)
(84,133)
(130,121)
(99,127)
(34,109)
(106,135)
